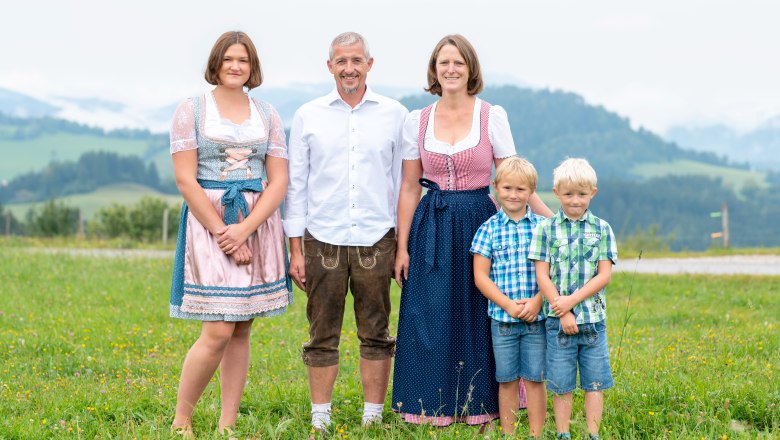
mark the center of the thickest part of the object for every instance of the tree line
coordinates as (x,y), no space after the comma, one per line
(142,222)
(677,210)
(14,128)
(670,212)
(91,171)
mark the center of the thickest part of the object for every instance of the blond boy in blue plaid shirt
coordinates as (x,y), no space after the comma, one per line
(574,252)
(505,275)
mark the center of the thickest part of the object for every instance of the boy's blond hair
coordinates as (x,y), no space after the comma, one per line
(575,170)
(517,166)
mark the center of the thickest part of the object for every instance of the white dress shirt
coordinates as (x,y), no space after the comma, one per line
(345,169)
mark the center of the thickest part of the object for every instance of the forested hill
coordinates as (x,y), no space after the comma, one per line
(549,126)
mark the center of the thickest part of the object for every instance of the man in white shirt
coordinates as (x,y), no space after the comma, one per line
(345,173)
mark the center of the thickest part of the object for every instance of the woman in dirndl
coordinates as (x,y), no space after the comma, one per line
(231,260)
(444,367)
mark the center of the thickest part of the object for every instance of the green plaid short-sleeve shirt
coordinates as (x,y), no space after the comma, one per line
(574,249)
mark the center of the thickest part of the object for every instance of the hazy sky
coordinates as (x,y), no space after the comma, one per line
(659,63)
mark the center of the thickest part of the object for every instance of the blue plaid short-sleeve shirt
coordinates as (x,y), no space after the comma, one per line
(574,248)
(505,242)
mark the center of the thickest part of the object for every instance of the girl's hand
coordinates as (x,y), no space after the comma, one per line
(231,237)
(242,255)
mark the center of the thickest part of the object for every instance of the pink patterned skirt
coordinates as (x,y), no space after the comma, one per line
(209,286)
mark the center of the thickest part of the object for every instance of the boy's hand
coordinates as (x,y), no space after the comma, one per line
(562,305)
(515,309)
(569,324)
(531,309)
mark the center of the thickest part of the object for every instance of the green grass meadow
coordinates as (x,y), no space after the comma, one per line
(87,350)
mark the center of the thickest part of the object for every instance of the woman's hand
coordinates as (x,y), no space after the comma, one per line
(401,267)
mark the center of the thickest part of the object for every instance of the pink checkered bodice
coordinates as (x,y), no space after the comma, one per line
(464,170)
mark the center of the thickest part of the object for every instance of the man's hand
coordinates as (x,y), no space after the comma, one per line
(298,270)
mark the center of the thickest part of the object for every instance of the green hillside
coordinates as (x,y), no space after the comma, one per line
(734,178)
(30,144)
(548,126)
(125,194)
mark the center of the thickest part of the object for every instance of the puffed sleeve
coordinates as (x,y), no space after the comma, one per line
(500,133)
(277,147)
(183,128)
(411,135)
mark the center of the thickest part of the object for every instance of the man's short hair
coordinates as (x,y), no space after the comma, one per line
(348,39)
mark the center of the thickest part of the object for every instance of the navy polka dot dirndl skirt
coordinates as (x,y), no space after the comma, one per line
(444,357)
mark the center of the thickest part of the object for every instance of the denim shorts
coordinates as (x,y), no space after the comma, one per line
(519,349)
(586,349)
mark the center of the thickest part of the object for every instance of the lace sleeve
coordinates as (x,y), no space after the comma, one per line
(183,128)
(277,146)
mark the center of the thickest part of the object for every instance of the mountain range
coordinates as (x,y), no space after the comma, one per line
(759,147)
(644,179)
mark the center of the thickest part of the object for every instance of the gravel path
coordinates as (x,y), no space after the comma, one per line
(727,265)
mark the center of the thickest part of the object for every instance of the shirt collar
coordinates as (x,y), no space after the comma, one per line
(334,97)
(560,217)
(503,218)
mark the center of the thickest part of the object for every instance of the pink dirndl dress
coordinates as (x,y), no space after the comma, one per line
(206,284)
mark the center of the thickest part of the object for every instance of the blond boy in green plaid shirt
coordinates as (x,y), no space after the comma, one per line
(574,252)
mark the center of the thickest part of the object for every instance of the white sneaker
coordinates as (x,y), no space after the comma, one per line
(371,419)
